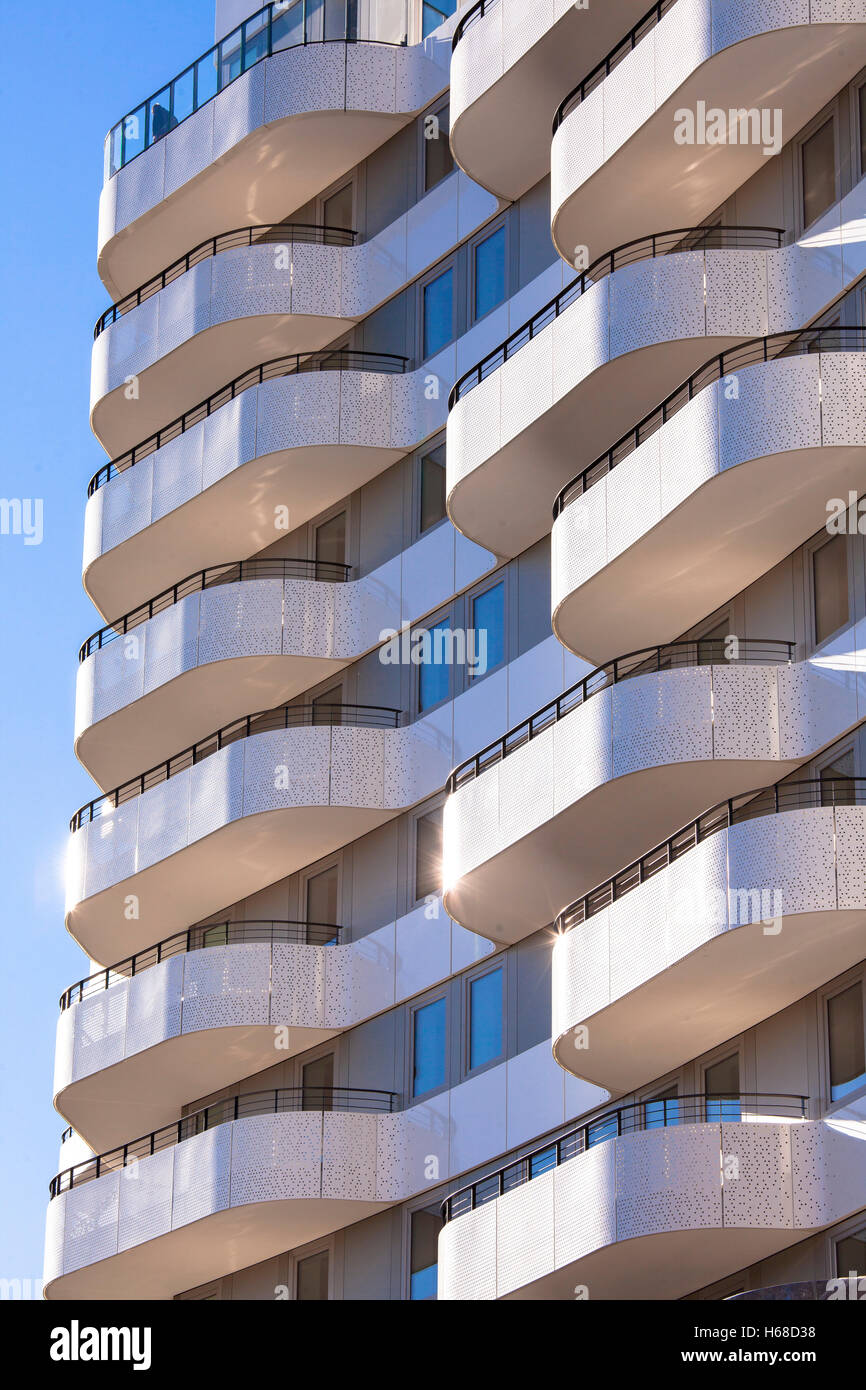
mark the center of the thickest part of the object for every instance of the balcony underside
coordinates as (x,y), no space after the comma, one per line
(615,165)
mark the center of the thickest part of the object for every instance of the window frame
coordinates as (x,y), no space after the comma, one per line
(419,815)
(334,861)
(502,224)
(435,109)
(438,442)
(347,181)
(827,114)
(450,262)
(837,987)
(810,549)
(307,1252)
(490,581)
(470,977)
(440,995)
(428,625)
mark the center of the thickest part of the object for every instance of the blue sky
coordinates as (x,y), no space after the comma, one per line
(68,79)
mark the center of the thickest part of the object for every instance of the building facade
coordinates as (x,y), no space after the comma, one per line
(474,888)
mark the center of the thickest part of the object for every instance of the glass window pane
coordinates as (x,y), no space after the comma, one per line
(326,706)
(133,133)
(115,149)
(489,273)
(485,1019)
(662,1110)
(337,210)
(322,896)
(182,95)
(160,117)
(845,1036)
(432,15)
(255,39)
(488,620)
(331,540)
(424,1253)
(437,147)
(722,1088)
(819,172)
(432,488)
(312,1278)
(830,585)
(862,102)
(851,1255)
(287,24)
(837,785)
(230,59)
(206,78)
(428,854)
(317,1080)
(428,1048)
(434,672)
(438,313)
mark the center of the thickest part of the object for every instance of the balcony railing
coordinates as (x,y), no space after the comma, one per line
(266,721)
(238,571)
(278,26)
(808,794)
(271,933)
(339,360)
(727,1107)
(280,234)
(851,1287)
(777,345)
(478,11)
(321,1098)
(716,238)
(697,651)
(613,60)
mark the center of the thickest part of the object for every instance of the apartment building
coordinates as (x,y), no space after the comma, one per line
(474,887)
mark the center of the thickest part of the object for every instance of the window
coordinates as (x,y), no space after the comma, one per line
(311,1278)
(331,540)
(317,1081)
(489,273)
(818,164)
(662,1110)
(428,1048)
(437,147)
(424,1252)
(326,706)
(851,1254)
(836,778)
(488,621)
(434,14)
(485,1018)
(432,488)
(845,1041)
(438,313)
(428,854)
(722,1089)
(861,98)
(322,892)
(337,210)
(434,672)
(830,587)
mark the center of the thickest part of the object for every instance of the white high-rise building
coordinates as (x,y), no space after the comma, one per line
(474,889)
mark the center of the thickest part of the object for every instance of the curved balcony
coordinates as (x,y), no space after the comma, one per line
(239,810)
(227,1187)
(632,1205)
(291,436)
(803,1291)
(757,903)
(631,327)
(272,114)
(647,132)
(509,60)
(203,1009)
(712,489)
(632,752)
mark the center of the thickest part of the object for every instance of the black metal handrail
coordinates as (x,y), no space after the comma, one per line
(640,1115)
(613,60)
(808,794)
(265,721)
(805,1291)
(280,233)
(328,360)
(274,28)
(725,364)
(231,933)
(321,1098)
(478,11)
(696,651)
(681,239)
(235,572)
(67,1134)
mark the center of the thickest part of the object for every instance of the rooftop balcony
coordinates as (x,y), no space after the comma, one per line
(753,906)
(637,140)
(243,808)
(628,755)
(211,483)
(199,1011)
(509,65)
(712,489)
(275,112)
(223,640)
(549,399)
(631,1206)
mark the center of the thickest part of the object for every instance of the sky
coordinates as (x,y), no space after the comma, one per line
(67,82)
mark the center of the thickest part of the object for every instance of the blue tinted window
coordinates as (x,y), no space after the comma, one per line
(489,273)
(435,14)
(488,620)
(428,1048)
(438,313)
(434,682)
(485,1019)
